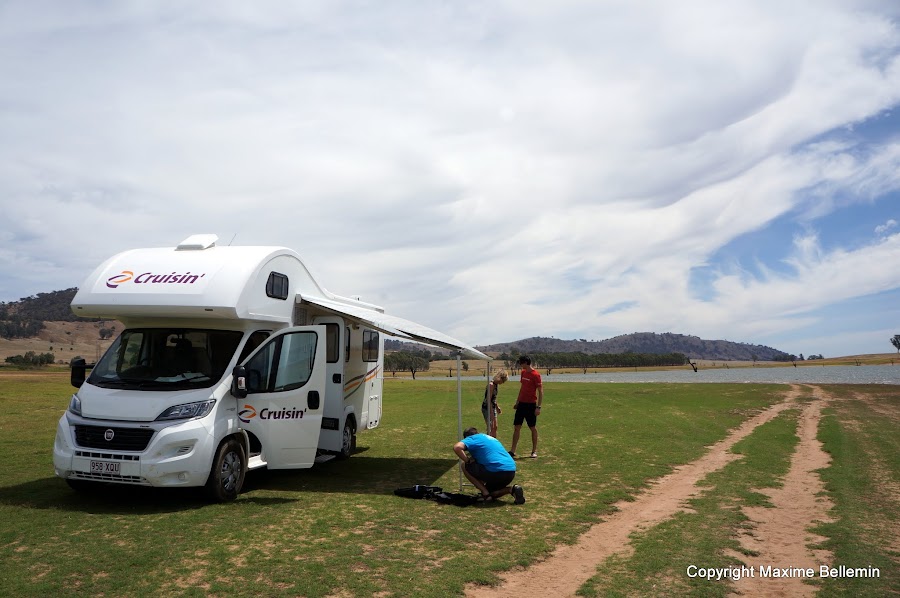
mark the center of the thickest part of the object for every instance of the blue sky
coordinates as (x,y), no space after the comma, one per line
(493,170)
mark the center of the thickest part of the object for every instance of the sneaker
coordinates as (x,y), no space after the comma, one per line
(511,454)
(519,493)
(534,454)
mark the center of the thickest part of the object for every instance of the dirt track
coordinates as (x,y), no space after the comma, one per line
(568,567)
(780,535)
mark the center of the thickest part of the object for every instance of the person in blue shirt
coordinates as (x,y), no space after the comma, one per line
(488,466)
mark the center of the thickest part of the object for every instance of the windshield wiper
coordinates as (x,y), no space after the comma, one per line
(116,382)
(152,384)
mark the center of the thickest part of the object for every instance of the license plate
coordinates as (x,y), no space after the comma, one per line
(105,467)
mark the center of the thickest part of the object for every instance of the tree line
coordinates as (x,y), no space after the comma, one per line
(17,327)
(31,359)
(411,361)
(585,361)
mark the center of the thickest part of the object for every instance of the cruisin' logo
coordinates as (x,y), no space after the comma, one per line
(249,412)
(151,278)
(118,279)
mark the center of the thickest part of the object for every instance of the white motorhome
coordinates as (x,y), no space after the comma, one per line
(232,358)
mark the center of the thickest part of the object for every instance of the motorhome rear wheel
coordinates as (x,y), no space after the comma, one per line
(348,440)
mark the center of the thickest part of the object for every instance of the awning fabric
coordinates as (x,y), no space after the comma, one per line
(398,327)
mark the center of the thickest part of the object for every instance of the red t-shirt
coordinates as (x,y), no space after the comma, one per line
(530,383)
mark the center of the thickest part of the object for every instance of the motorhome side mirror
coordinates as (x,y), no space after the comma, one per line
(79,372)
(239,382)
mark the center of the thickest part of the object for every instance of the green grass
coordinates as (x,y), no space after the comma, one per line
(864,483)
(337,528)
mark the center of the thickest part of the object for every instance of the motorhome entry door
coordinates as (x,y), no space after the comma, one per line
(286,396)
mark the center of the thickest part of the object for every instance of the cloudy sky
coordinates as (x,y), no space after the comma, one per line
(495,170)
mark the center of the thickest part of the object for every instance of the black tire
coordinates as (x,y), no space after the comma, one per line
(348,440)
(229,467)
(84,486)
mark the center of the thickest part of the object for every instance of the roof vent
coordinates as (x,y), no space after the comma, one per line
(197,243)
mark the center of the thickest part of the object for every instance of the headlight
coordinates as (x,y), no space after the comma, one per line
(75,405)
(187,411)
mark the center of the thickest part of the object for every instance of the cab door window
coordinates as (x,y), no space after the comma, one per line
(255,340)
(284,364)
(295,363)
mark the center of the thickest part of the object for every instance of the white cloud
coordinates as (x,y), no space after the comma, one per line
(883,228)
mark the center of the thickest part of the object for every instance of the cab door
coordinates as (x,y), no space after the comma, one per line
(286,396)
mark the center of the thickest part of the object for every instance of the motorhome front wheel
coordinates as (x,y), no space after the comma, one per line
(228,470)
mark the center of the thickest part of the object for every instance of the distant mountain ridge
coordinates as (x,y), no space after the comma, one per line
(693,347)
(24,318)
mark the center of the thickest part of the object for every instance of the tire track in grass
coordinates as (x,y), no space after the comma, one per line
(780,537)
(568,567)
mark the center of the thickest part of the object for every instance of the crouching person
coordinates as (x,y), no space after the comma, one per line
(488,466)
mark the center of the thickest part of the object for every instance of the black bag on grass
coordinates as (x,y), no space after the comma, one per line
(418,491)
(437,494)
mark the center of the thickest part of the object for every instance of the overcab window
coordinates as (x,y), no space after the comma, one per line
(277,286)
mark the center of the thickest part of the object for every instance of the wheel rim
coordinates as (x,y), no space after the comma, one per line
(231,470)
(347,441)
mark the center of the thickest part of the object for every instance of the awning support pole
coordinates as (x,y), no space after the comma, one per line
(459,428)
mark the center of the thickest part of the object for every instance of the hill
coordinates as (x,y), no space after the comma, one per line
(44,307)
(45,323)
(643,342)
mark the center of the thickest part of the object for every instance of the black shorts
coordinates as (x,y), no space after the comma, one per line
(492,480)
(525,412)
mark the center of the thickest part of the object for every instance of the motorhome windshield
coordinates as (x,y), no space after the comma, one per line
(166,359)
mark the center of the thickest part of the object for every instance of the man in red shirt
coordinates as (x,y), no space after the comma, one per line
(528,405)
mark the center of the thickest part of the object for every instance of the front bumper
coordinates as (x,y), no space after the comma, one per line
(176,454)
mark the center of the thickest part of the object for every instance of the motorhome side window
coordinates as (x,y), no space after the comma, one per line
(332,343)
(277,286)
(370,345)
(347,345)
(284,364)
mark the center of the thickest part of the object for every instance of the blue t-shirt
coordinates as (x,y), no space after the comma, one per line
(489,452)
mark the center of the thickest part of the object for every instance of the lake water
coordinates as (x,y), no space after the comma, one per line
(832,374)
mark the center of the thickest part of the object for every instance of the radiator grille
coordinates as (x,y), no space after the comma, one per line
(123,439)
(114,456)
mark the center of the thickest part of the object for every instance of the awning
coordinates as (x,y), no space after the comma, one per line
(394,326)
